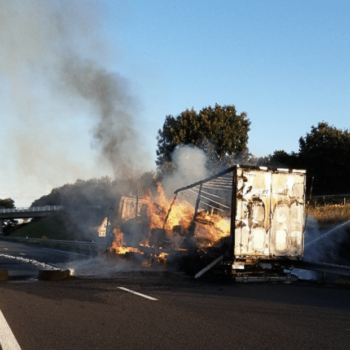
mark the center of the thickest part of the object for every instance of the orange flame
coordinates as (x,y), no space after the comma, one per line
(210,228)
(118,244)
(181,212)
(214,229)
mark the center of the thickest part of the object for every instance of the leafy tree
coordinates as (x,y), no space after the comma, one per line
(281,158)
(8,225)
(325,153)
(219,131)
(7,203)
(245,158)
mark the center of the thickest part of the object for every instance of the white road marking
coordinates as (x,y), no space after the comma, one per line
(22,254)
(31,261)
(136,293)
(6,248)
(7,339)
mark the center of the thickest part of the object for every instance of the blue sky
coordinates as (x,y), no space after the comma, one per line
(285,63)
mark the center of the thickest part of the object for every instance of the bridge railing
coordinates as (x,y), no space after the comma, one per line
(33,209)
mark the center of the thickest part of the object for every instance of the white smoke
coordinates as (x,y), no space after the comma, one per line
(190,166)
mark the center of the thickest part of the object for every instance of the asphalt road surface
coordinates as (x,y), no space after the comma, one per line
(96,312)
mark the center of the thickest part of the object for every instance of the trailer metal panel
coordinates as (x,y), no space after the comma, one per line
(270,213)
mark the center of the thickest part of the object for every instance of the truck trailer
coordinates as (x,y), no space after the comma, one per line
(266,210)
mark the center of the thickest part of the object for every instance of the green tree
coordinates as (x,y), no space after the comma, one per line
(7,203)
(281,158)
(8,225)
(325,153)
(219,131)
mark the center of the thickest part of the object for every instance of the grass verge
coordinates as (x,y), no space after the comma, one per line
(330,214)
(343,282)
(54,226)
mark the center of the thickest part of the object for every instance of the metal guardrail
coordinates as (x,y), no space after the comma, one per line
(332,196)
(54,241)
(323,267)
(33,209)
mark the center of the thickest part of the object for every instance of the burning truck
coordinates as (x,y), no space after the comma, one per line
(246,221)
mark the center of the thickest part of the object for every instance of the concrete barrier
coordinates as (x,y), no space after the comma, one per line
(53,275)
(4,275)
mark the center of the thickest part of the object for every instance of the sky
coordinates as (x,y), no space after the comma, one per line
(87,84)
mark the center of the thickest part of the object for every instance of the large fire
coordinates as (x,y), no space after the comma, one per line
(168,229)
(215,228)
(118,243)
(181,212)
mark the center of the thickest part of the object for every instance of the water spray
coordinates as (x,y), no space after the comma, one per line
(327,233)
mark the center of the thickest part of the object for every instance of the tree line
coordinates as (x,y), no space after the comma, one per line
(8,225)
(222,134)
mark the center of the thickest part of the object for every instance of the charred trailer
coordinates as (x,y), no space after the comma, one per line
(265,208)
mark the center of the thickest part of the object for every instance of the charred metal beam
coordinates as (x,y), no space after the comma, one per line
(197,202)
(206,180)
(192,190)
(223,182)
(217,185)
(187,195)
(137,205)
(109,229)
(211,265)
(211,194)
(211,206)
(223,205)
(217,188)
(193,225)
(167,215)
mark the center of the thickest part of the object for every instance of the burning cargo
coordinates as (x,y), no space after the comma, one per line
(249,219)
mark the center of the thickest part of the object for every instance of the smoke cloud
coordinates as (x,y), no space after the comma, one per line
(57,90)
(190,166)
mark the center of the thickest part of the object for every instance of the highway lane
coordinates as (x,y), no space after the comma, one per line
(43,253)
(24,260)
(94,313)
